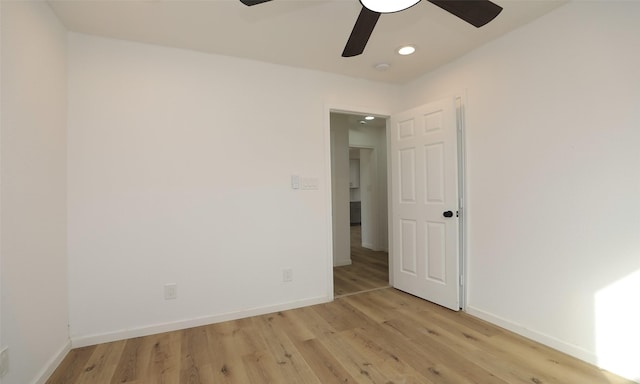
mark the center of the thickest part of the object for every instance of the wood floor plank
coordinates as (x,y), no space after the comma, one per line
(385,359)
(102,363)
(133,363)
(343,285)
(352,359)
(436,363)
(228,343)
(195,365)
(72,366)
(261,367)
(473,346)
(165,359)
(368,270)
(545,359)
(324,364)
(296,330)
(343,316)
(383,336)
(540,368)
(315,323)
(374,308)
(289,360)
(442,364)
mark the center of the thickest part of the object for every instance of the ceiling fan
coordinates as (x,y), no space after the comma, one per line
(474,12)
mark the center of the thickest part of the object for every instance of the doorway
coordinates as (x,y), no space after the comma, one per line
(425,192)
(359,203)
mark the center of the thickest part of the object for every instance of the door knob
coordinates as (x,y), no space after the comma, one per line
(447,214)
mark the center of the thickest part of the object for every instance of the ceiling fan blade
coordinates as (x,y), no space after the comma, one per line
(475,12)
(253,2)
(361,32)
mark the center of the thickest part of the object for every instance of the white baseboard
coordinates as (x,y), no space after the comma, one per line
(52,364)
(550,341)
(369,246)
(83,341)
(342,263)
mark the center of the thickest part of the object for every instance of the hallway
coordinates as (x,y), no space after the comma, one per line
(368,270)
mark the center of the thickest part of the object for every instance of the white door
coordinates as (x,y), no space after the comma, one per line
(424,176)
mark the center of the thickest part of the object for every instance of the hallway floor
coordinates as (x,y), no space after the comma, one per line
(368,270)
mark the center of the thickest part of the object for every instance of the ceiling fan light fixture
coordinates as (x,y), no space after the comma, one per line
(406,50)
(387,6)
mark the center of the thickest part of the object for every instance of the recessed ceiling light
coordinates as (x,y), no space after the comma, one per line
(362,122)
(369,118)
(382,66)
(406,50)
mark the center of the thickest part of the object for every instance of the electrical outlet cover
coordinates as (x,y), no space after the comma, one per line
(170,291)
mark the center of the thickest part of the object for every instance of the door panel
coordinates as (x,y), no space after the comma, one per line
(408,175)
(436,257)
(424,185)
(408,250)
(435,173)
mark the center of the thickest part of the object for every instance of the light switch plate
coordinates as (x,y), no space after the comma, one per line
(295,182)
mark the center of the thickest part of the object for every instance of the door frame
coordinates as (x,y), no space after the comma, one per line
(354,110)
(460,100)
(461,103)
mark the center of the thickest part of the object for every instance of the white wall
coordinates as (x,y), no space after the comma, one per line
(552,171)
(340,177)
(368,198)
(354,175)
(33,189)
(179,172)
(376,236)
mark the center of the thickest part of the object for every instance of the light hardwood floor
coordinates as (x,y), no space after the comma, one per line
(382,336)
(368,270)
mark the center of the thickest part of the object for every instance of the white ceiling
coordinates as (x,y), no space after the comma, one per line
(301,33)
